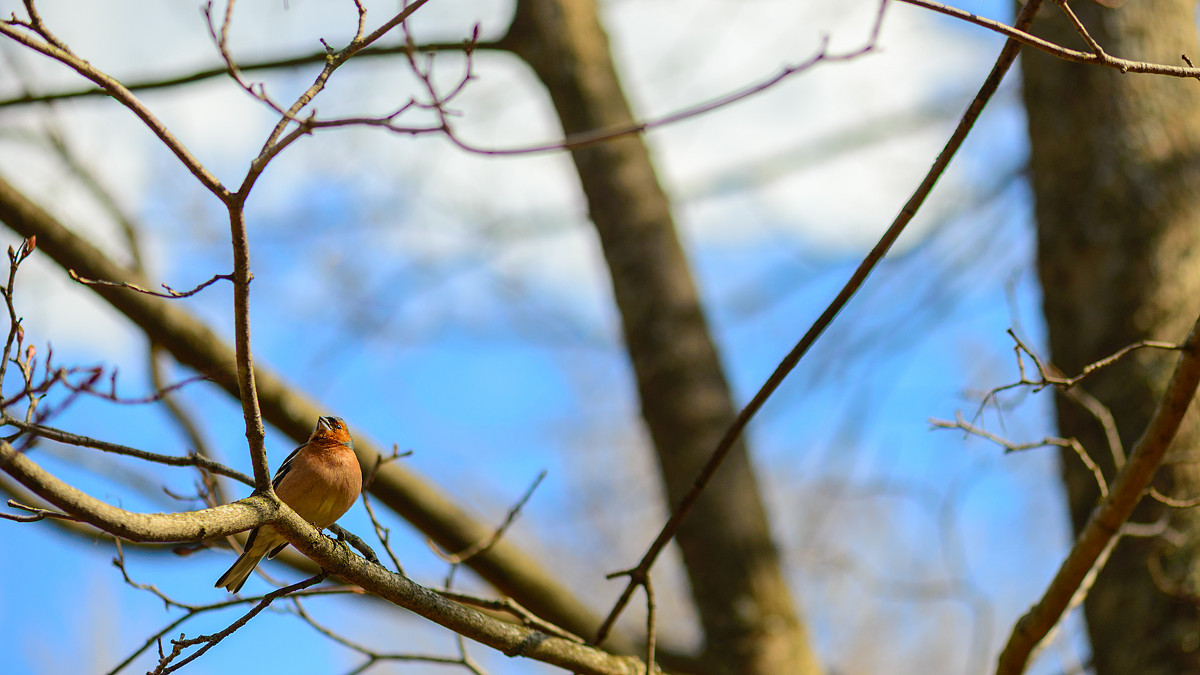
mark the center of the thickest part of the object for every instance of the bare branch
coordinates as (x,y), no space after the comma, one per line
(1172,501)
(202,74)
(1019,34)
(195,460)
(1112,512)
(38,514)
(374,656)
(15,331)
(510,639)
(1005,60)
(276,141)
(582,140)
(195,345)
(1081,29)
(333,557)
(381,532)
(193,610)
(170,294)
(209,641)
(483,545)
(509,606)
(1009,446)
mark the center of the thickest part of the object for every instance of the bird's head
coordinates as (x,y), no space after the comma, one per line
(332,430)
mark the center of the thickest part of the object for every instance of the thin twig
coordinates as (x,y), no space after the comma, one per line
(373,656)
(1009,446)
(276,141)
(651,625)
(202,74)
(1190,64)
(1019,34)
(209,641)
(589,138)
(170,294)
(56,50)
(1172,501)
(355,541)
(118,449)
(1107,422)
(1082,30)
(482,546)
(37,514)
(381,532)
(15,332)
(195,610)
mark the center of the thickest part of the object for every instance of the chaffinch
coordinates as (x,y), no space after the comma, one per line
(320,480)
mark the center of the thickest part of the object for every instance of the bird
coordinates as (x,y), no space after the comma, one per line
(320,480)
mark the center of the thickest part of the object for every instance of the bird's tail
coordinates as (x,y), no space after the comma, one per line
(236,575)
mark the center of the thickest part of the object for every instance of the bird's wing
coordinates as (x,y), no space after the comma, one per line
(285,467)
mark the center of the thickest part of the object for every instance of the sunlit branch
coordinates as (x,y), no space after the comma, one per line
(162,527)
(1113,511)
(1019,34)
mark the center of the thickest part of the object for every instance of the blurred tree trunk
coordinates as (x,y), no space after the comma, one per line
(1116,175)
(745,607)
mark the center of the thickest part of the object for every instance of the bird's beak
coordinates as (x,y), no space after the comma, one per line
(325,423)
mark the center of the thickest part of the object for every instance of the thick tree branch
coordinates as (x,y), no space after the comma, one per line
(163,527)
(334,558)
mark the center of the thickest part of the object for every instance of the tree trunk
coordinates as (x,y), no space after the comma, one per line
(745,607)
(1116,176)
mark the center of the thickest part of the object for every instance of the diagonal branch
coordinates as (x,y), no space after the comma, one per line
(583,139)
(1112,512)
(638,575)
(333,558)
(512,640)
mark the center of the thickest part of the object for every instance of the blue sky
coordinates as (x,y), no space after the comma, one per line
(457,306)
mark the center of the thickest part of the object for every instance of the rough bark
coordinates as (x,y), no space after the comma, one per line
(745,606)
(1116,176)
